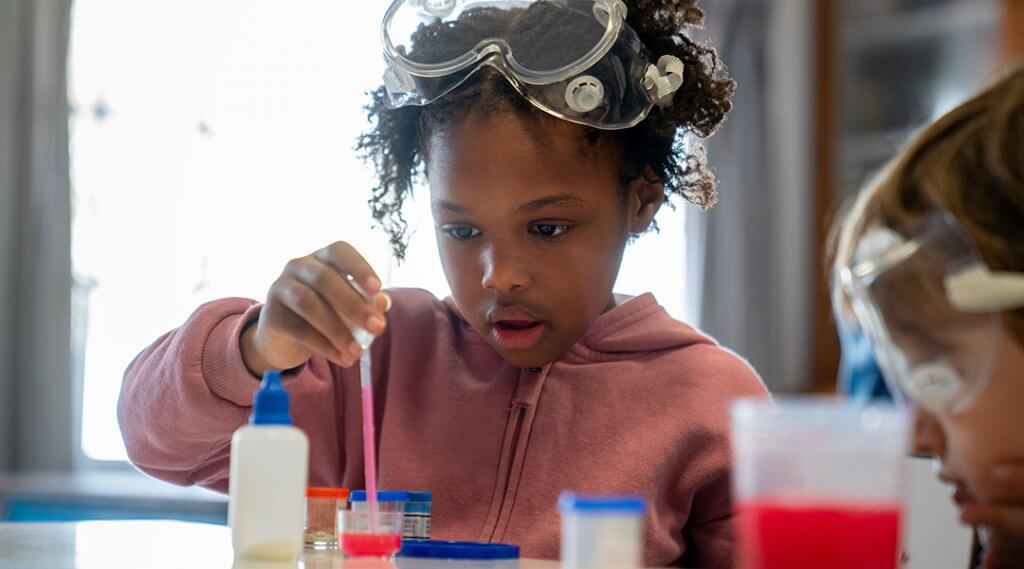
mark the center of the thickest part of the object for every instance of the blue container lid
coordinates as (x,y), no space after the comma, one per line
(458,550)
(571,502)
(382,496)
(420,496)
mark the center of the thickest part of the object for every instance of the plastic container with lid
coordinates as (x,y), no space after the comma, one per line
(602,532)
(387,500)
(322,507)
(417,515)
(420,554)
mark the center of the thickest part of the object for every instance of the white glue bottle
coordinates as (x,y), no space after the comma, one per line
(269,462)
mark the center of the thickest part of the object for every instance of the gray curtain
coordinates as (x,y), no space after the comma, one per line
(752,253)
(36,402)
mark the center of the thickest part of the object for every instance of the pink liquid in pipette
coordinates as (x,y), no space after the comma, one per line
(365,339)
(369,439)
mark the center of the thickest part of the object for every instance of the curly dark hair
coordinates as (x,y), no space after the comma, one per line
(396,142)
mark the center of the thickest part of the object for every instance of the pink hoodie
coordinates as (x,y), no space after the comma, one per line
(638,405)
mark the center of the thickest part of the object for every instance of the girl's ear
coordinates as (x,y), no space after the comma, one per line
(646,194)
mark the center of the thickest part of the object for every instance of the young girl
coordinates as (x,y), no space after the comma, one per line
(931,261)
(543,157)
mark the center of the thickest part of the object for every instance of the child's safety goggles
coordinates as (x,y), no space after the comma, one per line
(930,307)
(575,59)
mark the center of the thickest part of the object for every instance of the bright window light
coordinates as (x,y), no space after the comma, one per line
(211,142)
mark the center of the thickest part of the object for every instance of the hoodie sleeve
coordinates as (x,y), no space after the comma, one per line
(711,543)
(183,397)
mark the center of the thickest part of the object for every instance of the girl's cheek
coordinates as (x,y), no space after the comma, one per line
(973,449)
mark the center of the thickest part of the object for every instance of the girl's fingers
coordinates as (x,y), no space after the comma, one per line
(347,304)
(347,261)
(298,330)
(317,314)
(383,302)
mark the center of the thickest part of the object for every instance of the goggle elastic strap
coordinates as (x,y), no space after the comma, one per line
(978,289)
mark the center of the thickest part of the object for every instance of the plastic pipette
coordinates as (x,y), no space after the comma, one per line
(364,338)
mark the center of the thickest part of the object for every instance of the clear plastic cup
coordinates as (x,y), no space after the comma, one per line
(356,537)
(818,483)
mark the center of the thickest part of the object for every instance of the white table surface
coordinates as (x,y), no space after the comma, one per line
(157,545)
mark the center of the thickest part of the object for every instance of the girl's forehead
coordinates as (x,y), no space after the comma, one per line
(508,156)
(507,139)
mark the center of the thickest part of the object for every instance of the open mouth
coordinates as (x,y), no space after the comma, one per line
(518,334)
(518,324)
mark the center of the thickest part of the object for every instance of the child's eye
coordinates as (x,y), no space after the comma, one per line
(460,232)
(550,230)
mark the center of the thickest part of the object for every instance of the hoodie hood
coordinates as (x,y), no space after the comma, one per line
(637,325)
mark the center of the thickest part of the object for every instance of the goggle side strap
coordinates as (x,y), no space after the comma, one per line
(397,81)
(664,79)
(978,289)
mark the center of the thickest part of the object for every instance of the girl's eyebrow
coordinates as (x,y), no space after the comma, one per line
(449,206)
(533,205)
(556,200)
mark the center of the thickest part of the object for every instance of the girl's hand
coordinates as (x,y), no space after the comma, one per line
(311,309)
(1002,525)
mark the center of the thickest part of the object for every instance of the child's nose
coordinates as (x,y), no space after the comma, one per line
(929,438)
(504,272)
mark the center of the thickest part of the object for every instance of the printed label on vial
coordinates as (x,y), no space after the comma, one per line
(409,526)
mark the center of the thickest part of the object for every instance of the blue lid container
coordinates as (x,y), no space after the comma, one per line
(465,550)
(382,496)
(570,502)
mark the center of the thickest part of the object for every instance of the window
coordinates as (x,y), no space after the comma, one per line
(210,143)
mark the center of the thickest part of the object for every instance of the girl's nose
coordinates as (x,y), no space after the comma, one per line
(504,272)
(929,439)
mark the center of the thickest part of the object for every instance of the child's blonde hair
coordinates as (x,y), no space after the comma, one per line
(970,163)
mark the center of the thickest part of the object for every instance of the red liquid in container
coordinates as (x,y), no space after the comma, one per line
(371,544)
(780,534)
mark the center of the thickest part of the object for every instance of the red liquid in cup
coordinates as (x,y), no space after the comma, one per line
(371,544)
(778,534)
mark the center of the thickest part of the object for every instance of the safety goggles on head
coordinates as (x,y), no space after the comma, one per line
(930,307)
(575,59)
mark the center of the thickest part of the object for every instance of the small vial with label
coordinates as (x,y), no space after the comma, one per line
(417,515)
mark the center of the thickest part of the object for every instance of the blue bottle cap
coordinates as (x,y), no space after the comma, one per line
(270,404)
(458,550)
(571,502)
(420,496)
(382,496)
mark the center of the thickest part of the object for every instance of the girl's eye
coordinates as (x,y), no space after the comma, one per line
(550,230)
(460,232)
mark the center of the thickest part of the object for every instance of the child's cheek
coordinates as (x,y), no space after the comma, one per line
(974,448)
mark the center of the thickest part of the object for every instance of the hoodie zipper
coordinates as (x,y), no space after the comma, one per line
(519,411)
